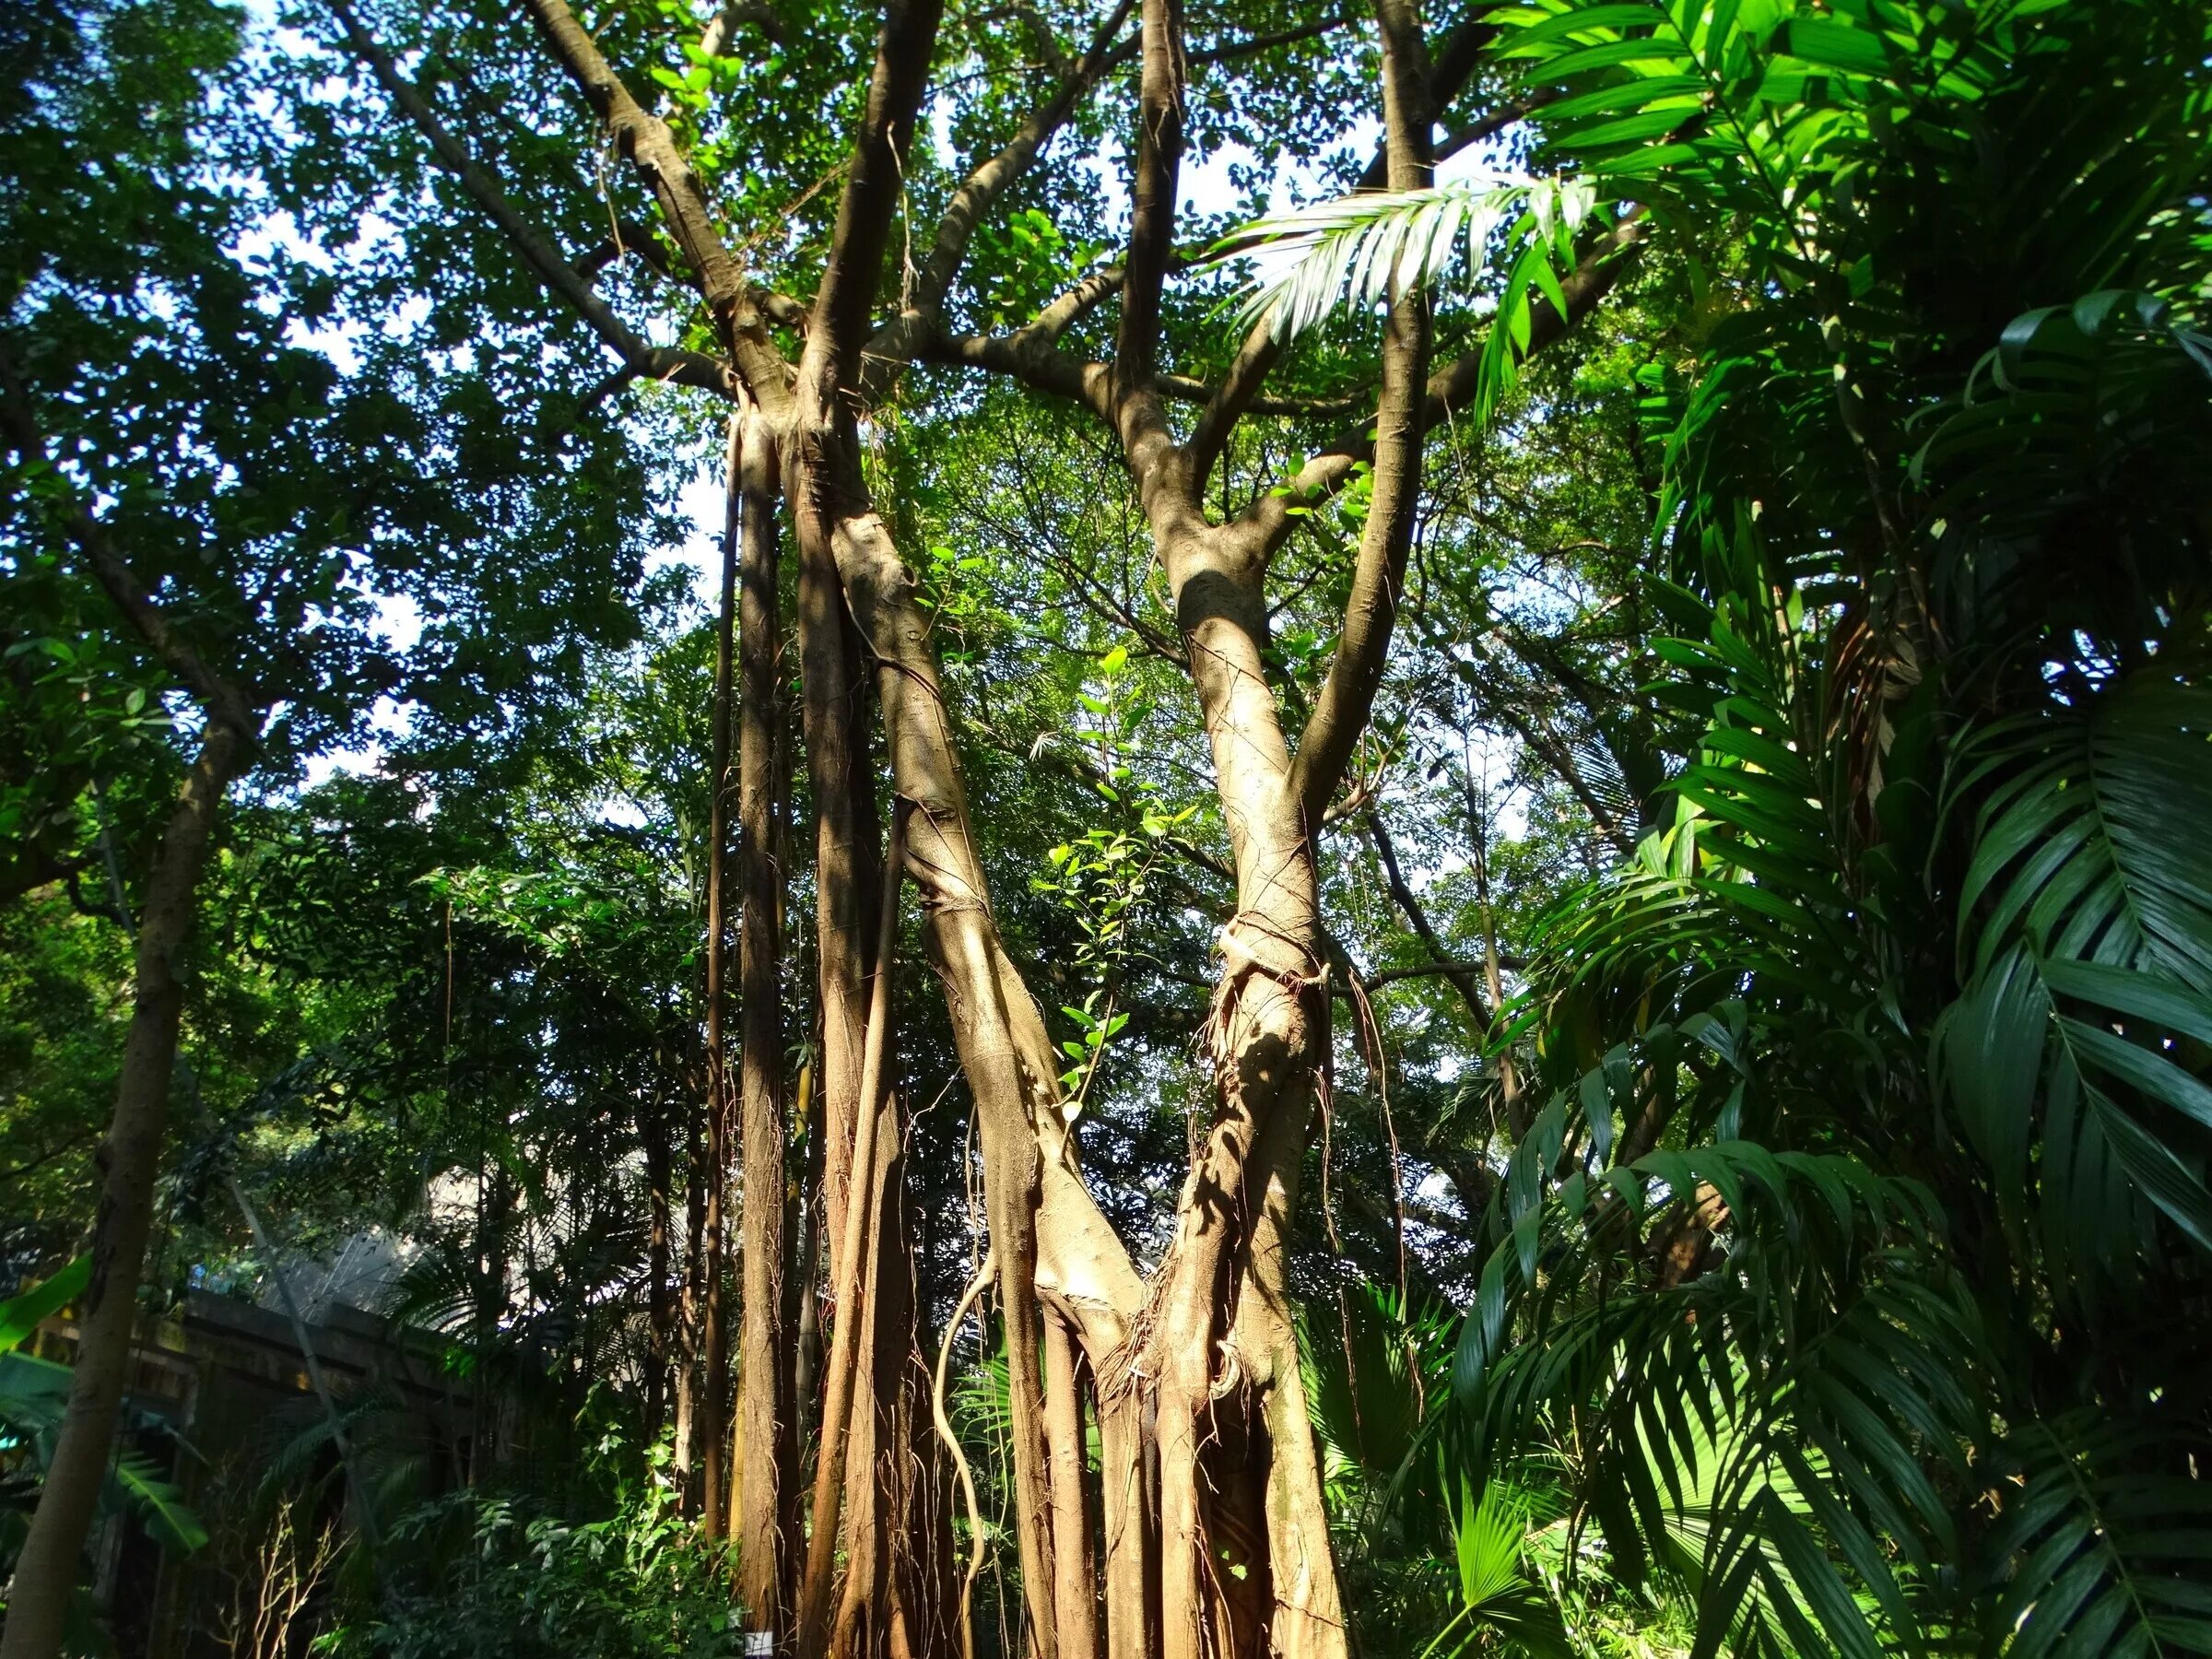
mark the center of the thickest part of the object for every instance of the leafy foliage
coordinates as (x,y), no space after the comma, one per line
(1764,1204)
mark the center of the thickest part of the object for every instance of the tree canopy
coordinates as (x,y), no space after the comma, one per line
(1091,831)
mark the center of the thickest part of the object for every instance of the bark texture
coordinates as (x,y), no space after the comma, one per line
(710,1418)
(1190,1376)
(766,1430)
(851,1337)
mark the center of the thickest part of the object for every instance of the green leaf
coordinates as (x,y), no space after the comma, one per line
(23,1314)
(1835,44)
(159,1504)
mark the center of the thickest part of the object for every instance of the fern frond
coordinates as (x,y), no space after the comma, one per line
(1764,1426)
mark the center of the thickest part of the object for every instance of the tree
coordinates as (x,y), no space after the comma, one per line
(1214,1316)
(1646,674)
(190,497)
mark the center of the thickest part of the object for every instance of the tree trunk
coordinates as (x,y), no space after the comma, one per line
(655,1128)
(845,857)
(685,1459)
(848,1400)
(806,1346)
(1267,1040)
(1201,1416)
(1071,1256)
(1075,1587)
(45,1575)
(710,1419)
(766,1425)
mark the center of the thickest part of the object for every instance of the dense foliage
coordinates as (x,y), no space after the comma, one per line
(1760,1193)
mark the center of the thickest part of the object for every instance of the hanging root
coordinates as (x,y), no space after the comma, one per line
(960,1458)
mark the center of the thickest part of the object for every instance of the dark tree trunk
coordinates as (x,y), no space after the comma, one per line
(656,1128)
(46,1571)
(765,1422)
(710,1421)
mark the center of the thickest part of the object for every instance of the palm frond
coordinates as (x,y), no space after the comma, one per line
(1353,251)
(1762,1425)
(1490,1534)
(2104,1544)
(2087,919)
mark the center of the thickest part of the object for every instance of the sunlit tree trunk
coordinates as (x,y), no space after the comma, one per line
(1192,1377)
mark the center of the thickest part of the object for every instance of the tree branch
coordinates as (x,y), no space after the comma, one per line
(1228,51)
(1152,217)
(854,270)
(1069,308)
(1027,359)
(1233,398)
(565,281)
(632,237)
(1262,349)
(1347,696)
(1453,970)
(1461,974)
(1490,125)
(645,139)
(898,340)
(715,40)
(223,702)
(1183,389)
(1454,61)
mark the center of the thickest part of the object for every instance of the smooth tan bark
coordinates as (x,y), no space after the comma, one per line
(1005,1051)
(873,1494)
(1075,1584)
(1218,1337)
(1130,1493)
(852,1330)
(1201,1363)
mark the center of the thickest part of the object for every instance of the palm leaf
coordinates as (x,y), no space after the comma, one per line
(2087,915)
(134,1483)
(23,1314)
(1763,1428)
(1356,250)
(2104,1542)
(1490,1534)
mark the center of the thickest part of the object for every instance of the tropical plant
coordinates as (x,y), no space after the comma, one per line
(34,1395)
(1919,980)
(1574,974)
(501,1572)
